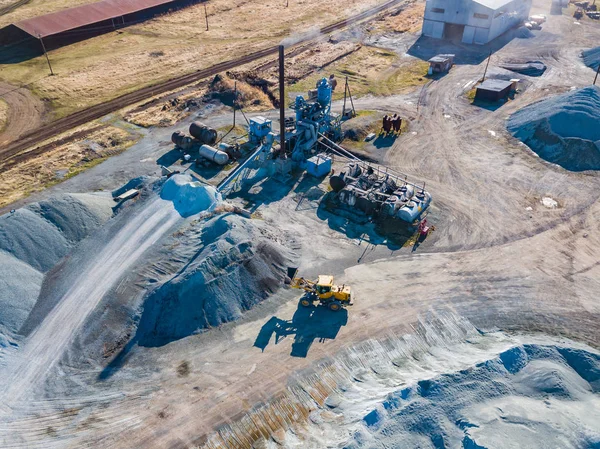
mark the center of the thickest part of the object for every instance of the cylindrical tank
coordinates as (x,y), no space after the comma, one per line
(212,154)
(354,170)
(203,133)
(324,92)
(406,191)
(337,183)
(182,141)
(176,137)
(233,151)
(414,208)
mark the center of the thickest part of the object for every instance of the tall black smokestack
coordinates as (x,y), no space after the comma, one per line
(281,102)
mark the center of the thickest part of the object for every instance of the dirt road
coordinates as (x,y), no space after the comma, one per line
(25,112)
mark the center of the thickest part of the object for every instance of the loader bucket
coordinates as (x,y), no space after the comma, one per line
(291,272)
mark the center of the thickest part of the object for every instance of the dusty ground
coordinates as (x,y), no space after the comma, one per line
(3,114)
(498,257)
(22,112)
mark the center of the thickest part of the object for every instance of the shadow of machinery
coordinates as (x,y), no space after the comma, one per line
(307,325)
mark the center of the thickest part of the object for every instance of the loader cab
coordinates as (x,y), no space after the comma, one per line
(324,284)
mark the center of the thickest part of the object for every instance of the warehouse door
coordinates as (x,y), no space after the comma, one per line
(453,31)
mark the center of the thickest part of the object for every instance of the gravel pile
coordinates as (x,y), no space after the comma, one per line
(33,239)
(238,264)
(563,129)
(189,197)
(591,57)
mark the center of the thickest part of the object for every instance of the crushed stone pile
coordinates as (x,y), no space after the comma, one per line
(563,129)
(33,239)
(238,264)
(533,396)
(189,197)
(591,57)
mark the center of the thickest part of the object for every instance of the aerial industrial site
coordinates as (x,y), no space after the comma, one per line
(299,224)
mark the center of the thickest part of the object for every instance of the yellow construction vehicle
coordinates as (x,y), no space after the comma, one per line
(334,297)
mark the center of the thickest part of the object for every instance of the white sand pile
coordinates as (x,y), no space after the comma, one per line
(532,396)
(238,264)
(563,129)
(189,197)
(33,239)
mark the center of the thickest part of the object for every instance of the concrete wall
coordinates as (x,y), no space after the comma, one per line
(457,11)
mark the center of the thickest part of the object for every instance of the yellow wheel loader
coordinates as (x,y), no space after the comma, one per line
(323,291)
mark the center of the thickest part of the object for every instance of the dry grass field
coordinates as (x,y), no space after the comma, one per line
(62,162)
(104,67)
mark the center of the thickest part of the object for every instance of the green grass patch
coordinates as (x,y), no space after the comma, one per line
(369,71)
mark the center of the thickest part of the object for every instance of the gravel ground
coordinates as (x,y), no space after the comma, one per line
(498,257)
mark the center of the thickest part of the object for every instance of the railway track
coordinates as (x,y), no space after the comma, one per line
(95,112)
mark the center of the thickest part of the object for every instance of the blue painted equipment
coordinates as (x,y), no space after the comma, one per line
(313,118)
(258,129)
(318,165)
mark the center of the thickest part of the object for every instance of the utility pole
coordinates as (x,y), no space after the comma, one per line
(46,54)
(287,3)
(282,100)
(234,101)
(486,66)
(597,71)
(206,16)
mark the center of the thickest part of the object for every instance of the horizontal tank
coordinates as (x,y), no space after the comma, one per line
(203,133)
(415,207)
(181,140)
(214,155)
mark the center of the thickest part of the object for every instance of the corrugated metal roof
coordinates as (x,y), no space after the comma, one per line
(79,16)
(494,85)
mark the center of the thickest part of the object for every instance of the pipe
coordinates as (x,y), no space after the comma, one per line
(282,102)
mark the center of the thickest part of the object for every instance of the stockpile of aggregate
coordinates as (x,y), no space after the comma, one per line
(563,129)
(238,263)
(532,396)
(591,57)
(189,197)
(33,239)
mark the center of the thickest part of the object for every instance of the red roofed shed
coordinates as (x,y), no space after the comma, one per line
(74,24)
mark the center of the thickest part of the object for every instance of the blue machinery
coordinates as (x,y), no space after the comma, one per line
(313,119)
(373,190)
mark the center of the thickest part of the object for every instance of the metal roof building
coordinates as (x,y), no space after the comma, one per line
(74,24)
(493,90)
(473,21)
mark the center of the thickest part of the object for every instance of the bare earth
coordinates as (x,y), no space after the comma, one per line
(24,112)
(498,257)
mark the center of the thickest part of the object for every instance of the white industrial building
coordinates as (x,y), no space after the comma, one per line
(473,21)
